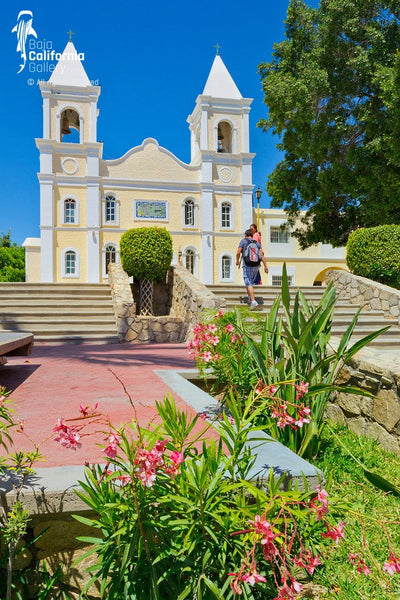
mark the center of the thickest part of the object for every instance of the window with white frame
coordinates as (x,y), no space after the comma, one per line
(226,267)
(277,280)
(70,262)
(189,260)
(110,255)
(110,210)
(279,236)
(70,211)
(188,213)
(226,215)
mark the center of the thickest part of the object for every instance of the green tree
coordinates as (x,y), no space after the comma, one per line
(12,259)
(332,92)
(146,254)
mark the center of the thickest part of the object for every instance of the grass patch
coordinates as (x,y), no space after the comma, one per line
(372,512)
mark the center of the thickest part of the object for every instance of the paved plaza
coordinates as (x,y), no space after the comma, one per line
(55,379)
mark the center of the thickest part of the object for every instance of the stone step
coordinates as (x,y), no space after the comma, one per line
(368,321)
(59,312)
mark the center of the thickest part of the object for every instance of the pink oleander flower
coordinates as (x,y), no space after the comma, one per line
(288,593)
(124,479)
(303,415)
(86,410)
(262,527)
(69,439)
(307,561)
(302,389)
(214,340)
(322,496)
(111,450)
(336,533)
(177,457)
(61,426)
(206,357)
(253,577)
(212,328)
(235,584)
(392,565)
(220,313)
(229,328)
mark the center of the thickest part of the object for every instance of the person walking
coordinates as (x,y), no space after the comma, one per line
(257,238)
(252,255)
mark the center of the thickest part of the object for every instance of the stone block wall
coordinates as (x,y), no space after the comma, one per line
(188,299)
(367,293)
(379,417)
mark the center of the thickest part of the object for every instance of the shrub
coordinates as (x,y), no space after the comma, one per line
(146,253)
(374,253)
(12,263)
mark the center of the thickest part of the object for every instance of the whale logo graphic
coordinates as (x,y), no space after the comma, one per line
(23,28)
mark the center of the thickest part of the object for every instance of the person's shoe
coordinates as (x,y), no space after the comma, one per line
(254,305)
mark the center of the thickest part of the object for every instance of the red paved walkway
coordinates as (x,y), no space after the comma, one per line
(55,380)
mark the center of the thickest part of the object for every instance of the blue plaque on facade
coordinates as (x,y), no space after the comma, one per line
(145,209)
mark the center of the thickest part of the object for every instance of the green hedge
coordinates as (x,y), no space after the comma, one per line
(146,253)
(374,253)
(12,263)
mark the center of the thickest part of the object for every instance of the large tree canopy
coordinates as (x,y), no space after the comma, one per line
(333,96)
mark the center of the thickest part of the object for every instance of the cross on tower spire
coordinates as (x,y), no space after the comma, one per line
(217,48)
(70,33)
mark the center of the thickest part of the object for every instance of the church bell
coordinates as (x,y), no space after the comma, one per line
(65,126)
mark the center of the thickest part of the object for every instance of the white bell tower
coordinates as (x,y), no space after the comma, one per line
(69,157)
(219,127)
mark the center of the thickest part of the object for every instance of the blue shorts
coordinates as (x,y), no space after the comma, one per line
(249,275)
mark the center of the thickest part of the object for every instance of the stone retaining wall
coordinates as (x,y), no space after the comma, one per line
(189,299)
(378,372)
(365,292)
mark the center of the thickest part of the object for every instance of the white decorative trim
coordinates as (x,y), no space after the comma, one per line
(277,271)
(74,163)
(223,279)
(62,210)
(195,213)
(222,201)
(196,259)
(106,223)
(103,257)
(78,110)
(225,174)
(75,275)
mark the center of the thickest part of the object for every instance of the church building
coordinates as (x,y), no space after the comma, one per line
(87,203)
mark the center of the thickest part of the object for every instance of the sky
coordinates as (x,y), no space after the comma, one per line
(151,60)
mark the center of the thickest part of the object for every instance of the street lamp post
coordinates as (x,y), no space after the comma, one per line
(258,194)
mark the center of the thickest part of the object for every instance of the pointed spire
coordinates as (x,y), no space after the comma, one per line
(220,83)
(69,69)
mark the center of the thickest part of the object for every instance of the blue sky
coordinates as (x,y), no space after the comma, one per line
(151,59)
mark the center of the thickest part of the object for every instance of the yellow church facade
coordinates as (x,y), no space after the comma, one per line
(87,203)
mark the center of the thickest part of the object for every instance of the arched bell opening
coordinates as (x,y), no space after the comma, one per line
(70,126)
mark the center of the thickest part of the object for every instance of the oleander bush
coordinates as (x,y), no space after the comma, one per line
(374,252)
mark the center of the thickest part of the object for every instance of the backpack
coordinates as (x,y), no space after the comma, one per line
(252,254)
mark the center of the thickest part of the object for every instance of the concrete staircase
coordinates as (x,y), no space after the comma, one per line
(57,312)
(368,321)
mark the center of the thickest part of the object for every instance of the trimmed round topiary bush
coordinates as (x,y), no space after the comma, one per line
(146,253)
(374,252)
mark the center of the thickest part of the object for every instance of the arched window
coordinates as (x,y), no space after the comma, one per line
(189,260)
(70,262)
(189,213)
(111,255)
(224,137)
(226,215)
(111,213)
(70,126)
(226,267)
(69,211)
